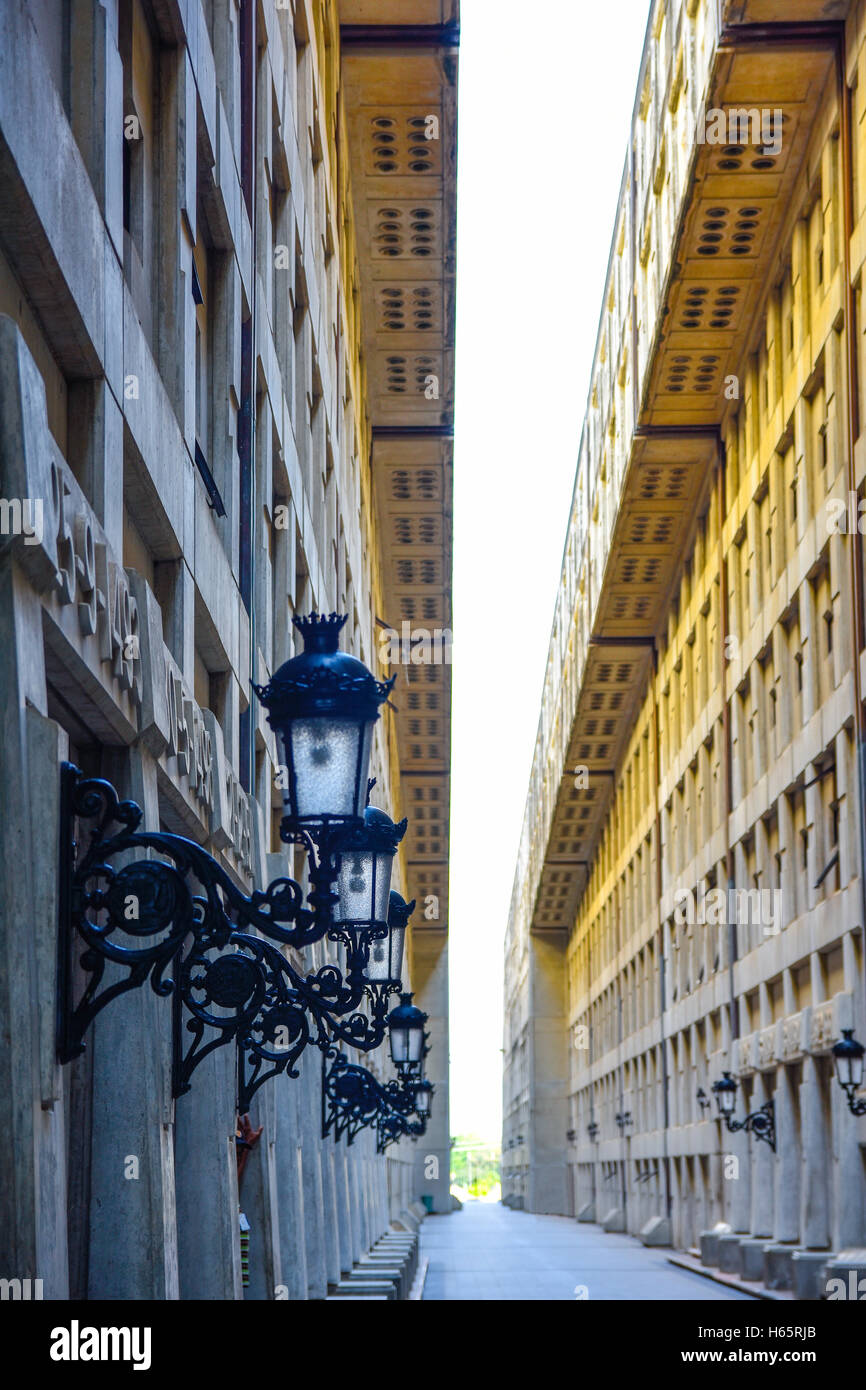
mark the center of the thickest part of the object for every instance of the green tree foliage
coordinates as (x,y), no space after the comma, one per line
(474,1164)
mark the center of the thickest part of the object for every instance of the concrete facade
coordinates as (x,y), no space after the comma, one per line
(689,893)
(197,309)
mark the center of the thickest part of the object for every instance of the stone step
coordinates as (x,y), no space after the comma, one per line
(365,1288)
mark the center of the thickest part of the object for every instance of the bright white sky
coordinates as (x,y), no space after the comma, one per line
(546,95)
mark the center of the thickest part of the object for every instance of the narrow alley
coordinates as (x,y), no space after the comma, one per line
(487,1251)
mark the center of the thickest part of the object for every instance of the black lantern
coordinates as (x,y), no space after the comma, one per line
(423,1096)
(322,705)
(761,1122)
(848,1055)
(385,964)
(406,1025)
(725,1092)
(363,887)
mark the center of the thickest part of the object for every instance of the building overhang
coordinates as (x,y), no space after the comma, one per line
(399,88)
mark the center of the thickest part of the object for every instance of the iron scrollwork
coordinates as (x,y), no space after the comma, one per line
(225,951)
(353,1099)
(761,1123)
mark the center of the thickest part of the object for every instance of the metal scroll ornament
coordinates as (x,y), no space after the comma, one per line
(179,921)
(353,1099)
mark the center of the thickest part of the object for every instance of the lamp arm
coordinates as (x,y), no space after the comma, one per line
(225,948)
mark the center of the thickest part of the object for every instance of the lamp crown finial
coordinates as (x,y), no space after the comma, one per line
(320,631)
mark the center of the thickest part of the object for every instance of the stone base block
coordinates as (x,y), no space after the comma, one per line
(777,1266)
(729,1256)
(752,1258)
(418,1210)
(365,1288)
(385,1267)
(807,1279)
(657,1231)
(709,1243)
(587,1212)
(614,1221)
(846,1277)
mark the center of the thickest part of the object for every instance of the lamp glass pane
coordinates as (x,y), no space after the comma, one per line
(329,777)
(399,1040)
(355,886)
(363,889)
(386,957)
(416,1044)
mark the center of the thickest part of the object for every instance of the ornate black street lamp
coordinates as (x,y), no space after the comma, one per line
(592,1130)
(322,705)
(353,1099)
(703,1100)
(761,1123)
(848,1056)
(407,1037)
(230,977)
(624,1119)
(423,1096)
(385,965)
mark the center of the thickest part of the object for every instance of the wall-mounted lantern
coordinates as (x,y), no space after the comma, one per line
(407,1037)
(703,1100)
(848,1057)
(179,920)
(761,1123)
(353,1099)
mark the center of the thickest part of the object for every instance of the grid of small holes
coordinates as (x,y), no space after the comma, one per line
(704,306)
(604,699)
(427,610)
(757,158)
(634,569)
(419,675)
(656,483)
(399,145)
(402,231)
(428,885)
(585,751)
(692,373)
(626,606)
(429,827)
(608,673)
(414,485)
(729,231)
(651,530)
(417,571)
(590,728)
(409,373)
(416,530)
(400,307)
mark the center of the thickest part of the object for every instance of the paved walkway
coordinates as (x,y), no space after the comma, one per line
(487,1251)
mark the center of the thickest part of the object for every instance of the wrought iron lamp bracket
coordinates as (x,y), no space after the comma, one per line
(857,1107)
(761,1123)
(225,948)
(353,1099)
